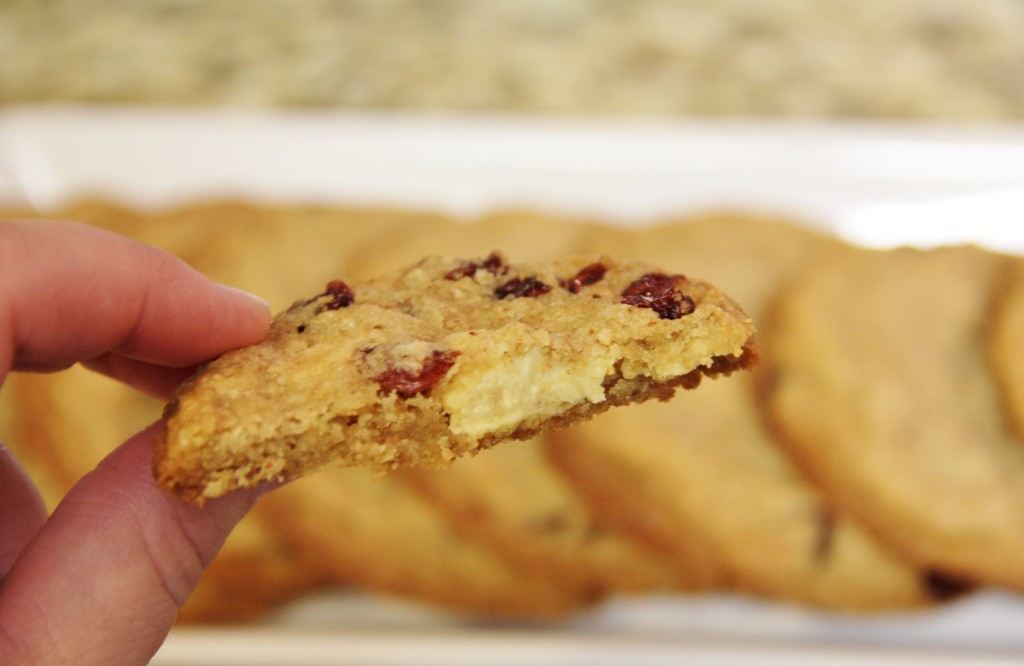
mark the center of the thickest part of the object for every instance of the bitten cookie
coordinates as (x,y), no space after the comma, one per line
(441,360)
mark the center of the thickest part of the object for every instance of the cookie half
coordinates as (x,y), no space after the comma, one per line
(440,360)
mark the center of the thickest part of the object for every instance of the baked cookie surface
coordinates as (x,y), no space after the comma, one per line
(440,360)
(877,379)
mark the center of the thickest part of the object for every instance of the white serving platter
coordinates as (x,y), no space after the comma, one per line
(879,184)
(875,184)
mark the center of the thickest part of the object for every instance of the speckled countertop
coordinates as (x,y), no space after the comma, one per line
(920,59)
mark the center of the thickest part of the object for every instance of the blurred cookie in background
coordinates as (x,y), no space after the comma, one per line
(709,465)
(512,499)
(877,380)
(374,533)
(1006,345)
(520,236)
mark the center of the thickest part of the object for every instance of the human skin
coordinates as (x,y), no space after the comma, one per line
(99,581)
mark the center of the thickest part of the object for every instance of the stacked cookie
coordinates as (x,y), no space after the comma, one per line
(873,461)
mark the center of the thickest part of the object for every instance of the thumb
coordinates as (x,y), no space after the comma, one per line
(102,580)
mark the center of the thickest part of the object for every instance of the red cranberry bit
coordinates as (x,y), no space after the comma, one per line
(492,264)
(467,269)
(520,287)
(658,292)
(588,275)
(408,384)
(341,296)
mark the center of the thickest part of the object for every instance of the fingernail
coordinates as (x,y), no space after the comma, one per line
(247,295)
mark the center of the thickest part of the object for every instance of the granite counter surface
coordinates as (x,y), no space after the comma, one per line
(950,60)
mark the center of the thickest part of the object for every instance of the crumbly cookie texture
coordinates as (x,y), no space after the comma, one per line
(441,360)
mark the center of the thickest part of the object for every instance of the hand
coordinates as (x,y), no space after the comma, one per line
(101,579)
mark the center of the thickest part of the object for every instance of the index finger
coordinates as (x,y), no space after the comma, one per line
(69,292)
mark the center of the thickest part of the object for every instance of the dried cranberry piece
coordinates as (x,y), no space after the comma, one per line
(467,269)
(492,264)
(408,384)
(341,296)
(658,292)
(588,275)
(519,287)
